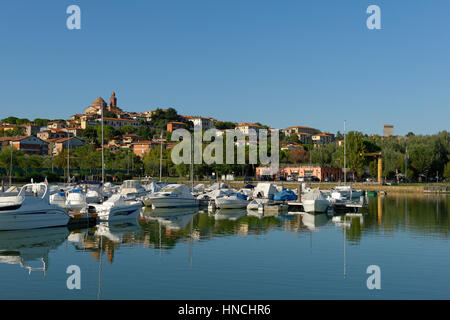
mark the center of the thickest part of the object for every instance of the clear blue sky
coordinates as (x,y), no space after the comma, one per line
(281,63)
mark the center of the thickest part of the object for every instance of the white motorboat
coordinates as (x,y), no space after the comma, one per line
(92,190)
(58,199)
(315,201)
(231,202)
(256,203)
(117,208)
(345,192)
(30,209)
(132,189)
(173,195)
(75,200)
(93,196)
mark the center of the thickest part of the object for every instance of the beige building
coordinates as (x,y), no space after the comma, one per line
(388,130)
(119,123)
(299,129)
(246,128)
(322,138)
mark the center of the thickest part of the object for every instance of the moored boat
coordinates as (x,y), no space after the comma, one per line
(173,195)
(30,209)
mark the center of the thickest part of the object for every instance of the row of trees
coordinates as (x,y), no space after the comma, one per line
(423,156)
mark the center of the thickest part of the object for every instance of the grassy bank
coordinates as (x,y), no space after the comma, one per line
(402,188)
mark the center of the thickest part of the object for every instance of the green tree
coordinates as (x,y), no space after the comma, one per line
(447,171)
(355,147)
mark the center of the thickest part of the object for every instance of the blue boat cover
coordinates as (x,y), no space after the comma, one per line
(285,195)
(240,195)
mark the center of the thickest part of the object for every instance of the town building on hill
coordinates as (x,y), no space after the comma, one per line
(96,107)
(49,134)
(203,122)
(322,138)
(140,148)
(31,129)
(119,123)
(300,129)
(75,132)
(7,127)
(56,146)
(304,138)
(172,126)
(27,144)
(56,125)
(388,130)
(245,127)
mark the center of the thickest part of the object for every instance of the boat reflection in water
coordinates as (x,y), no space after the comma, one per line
(26,247)
(314,221)
(171,218)
(105,237)
(230,214)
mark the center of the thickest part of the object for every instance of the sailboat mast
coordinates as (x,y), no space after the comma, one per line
(103,153)
(345,156)
(160,156)
(192,162)
(68,158)
(10,166)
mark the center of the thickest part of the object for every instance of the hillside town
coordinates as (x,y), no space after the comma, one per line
(305,152)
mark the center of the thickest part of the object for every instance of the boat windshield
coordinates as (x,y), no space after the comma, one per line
(37,190)
(131,184)
(172,189)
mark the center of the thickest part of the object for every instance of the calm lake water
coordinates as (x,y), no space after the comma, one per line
(187,254)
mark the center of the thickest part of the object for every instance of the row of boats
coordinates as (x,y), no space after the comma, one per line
(39,205)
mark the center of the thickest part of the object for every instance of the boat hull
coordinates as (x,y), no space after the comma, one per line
(313,206)
(225,203)
(170,202)
(10,220)
(120,213)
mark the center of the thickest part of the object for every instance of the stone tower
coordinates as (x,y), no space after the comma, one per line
(113,101)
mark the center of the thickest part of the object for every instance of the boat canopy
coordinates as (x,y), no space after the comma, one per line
(264,190)
(131,184)
(178,189)
(314,194)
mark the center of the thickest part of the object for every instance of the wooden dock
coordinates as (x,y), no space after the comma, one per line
(274,210)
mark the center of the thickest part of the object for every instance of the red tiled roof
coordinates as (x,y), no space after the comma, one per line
(116,119)
(300,127)
(246,124)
